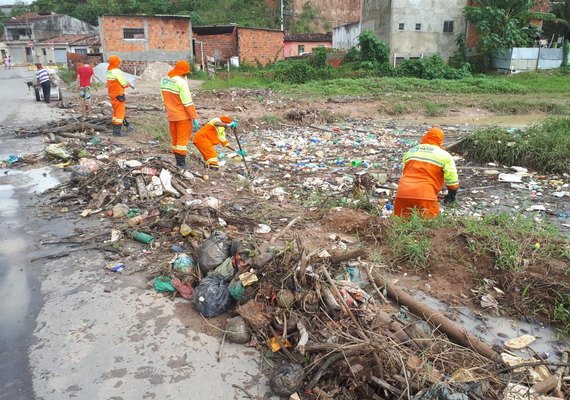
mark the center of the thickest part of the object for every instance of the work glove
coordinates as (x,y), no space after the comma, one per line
(233,124)
(241,152)
(196,125)
(450,197)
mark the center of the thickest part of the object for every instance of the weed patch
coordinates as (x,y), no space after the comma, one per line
(542,147)
(155,127)
(434,109)
(527,259)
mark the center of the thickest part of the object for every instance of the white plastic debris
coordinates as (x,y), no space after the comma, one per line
(133,163)
(510,178)
(212,202)
(520,343)
(166,180)
(262,228)
(155,187)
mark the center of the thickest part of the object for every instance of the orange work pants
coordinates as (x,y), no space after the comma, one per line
(404,207)
(180,134)
(119,111)
(206,148)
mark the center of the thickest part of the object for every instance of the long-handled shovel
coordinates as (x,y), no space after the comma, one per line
(250,175)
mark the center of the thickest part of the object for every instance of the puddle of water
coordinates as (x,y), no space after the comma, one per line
(38,180)
(8,204)
(497,330)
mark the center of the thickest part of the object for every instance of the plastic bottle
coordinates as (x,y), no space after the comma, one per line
(142,237)
(137,220)
(356,163)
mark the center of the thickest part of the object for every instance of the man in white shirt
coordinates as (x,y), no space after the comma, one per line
(42,75)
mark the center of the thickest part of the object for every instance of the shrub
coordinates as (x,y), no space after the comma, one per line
(319,57)
(372,49)
(294,72)
(432,68)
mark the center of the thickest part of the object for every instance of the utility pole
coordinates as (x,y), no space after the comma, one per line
(281,16)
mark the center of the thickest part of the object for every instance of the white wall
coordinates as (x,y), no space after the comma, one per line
(346,36)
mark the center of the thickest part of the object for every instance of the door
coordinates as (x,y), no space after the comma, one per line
(60,55)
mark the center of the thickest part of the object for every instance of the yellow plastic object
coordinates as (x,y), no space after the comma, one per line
(274,344)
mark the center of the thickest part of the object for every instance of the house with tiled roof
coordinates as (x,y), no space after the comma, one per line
(55,49)
(25,32)
(297,44)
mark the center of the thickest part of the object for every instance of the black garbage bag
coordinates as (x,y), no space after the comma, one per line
(214,251)
(212,296)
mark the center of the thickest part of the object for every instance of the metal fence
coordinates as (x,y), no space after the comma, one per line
(524,59)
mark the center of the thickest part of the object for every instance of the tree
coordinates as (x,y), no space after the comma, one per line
(560,26)
(503,24)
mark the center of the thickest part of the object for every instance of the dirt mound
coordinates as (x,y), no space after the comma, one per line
(155,71)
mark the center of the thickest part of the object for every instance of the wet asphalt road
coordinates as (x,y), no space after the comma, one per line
(20,295)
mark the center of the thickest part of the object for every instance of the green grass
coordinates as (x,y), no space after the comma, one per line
(369,87)
(433,109)
(542,147)
(156,127)
(552,81)
(68,76)
(561,312)
(271,119)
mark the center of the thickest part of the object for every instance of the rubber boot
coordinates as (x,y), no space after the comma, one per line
(129,128)
(180,161)
(117,131)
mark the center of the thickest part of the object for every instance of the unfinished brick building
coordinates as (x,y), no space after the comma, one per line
(248,45)
(140,39)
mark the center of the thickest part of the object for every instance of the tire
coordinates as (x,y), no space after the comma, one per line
(37,92)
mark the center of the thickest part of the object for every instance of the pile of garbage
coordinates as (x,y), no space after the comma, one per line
(326,329)
(324,322)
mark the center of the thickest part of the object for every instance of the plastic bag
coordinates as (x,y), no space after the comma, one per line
(184,263)
(214,251)
(212,296)
(224,270)
(163,284)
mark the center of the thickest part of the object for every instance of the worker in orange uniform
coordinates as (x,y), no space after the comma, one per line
(116,84)
(427,167)
(180,110)
(211,134)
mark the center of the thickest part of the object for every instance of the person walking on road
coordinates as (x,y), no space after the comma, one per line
(427,167)
(10,63)
(211,134)
(180,110)
(116,84)
(42,76)
(85,77)
(6,63)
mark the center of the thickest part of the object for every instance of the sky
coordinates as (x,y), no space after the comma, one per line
(3,2)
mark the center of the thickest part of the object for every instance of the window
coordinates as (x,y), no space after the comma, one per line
(447,26)
(418,27)
(300,49)
(401,26)
(399,60)
(133,33)
(81,51)
(44,52)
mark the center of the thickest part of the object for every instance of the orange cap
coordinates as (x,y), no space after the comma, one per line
(433,136)
(114,62)
(180,69)
(225,119)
